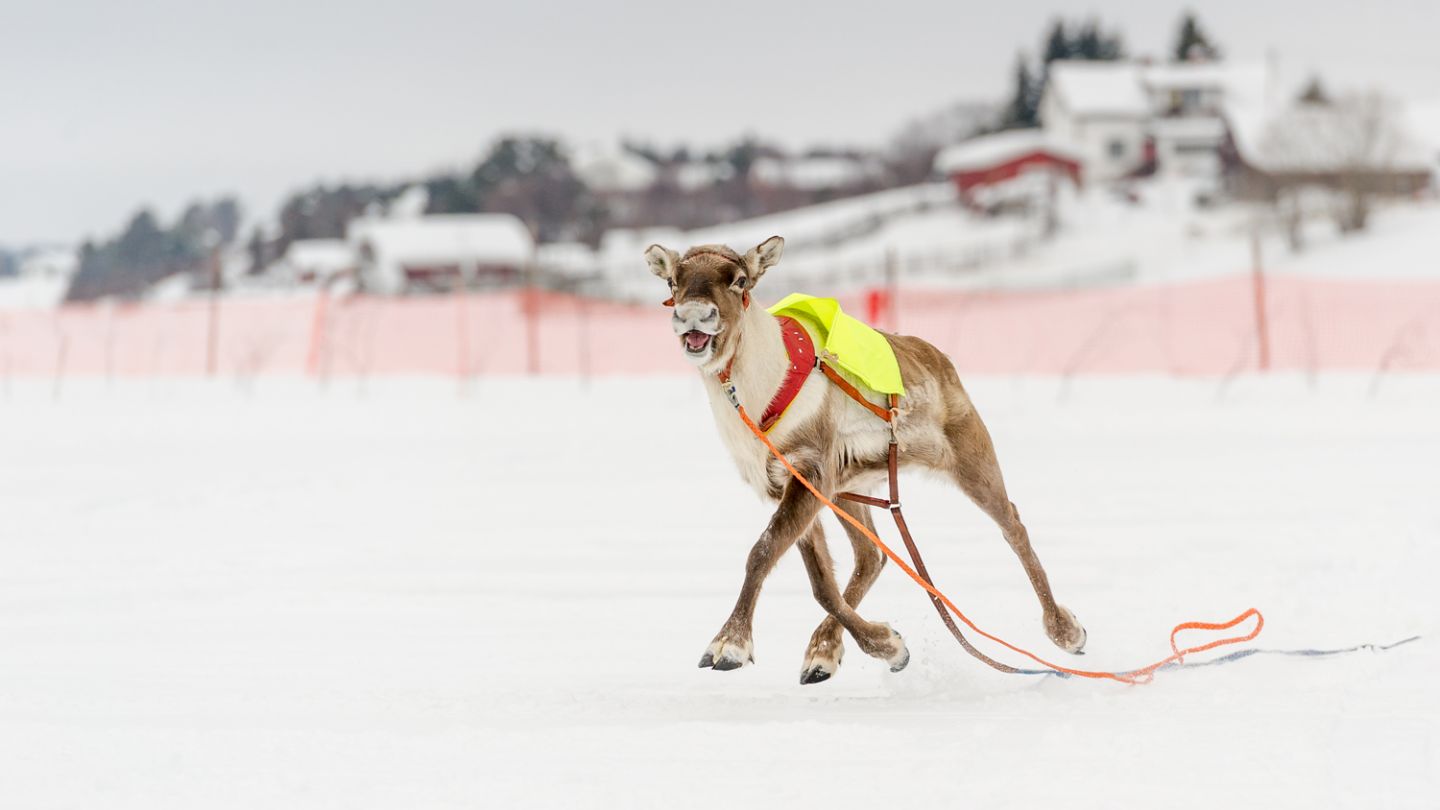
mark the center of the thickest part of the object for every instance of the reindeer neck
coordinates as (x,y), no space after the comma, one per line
(759,360)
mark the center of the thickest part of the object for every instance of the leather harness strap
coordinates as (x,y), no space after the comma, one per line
(801,352)
(855,394)
(893,506)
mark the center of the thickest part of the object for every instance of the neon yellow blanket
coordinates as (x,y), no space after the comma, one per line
(850,343)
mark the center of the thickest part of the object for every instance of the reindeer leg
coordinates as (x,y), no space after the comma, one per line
(977,472)
(732,647)
(875,638)
(827,646)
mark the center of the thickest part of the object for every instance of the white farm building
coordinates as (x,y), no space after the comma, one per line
(440,251)
(1127,118)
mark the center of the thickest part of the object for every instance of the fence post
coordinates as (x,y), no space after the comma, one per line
(317,331)
(468,271)
(532,329)
(892,288)
(212,341)
(1262,324)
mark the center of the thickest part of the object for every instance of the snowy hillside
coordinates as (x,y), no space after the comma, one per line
(1160,236)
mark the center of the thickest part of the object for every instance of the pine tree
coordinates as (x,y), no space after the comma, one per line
(1057,45)
(1193,43)
(1023,109)
(1087,42)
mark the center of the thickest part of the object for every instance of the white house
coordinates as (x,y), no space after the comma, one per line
(1101,110)
(316,261)
(1126,118)
(41,281)
(440,251)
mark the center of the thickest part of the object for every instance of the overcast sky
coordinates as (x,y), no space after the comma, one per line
(106,106)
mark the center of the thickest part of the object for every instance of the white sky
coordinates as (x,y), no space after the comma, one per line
(105,106)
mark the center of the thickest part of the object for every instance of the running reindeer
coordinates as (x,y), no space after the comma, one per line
(837,444)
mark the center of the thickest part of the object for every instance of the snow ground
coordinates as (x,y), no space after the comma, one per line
(406,594)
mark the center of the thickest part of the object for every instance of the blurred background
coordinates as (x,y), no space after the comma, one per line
(303,190)
(347,457)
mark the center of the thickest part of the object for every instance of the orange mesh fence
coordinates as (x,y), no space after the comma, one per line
(1197,328)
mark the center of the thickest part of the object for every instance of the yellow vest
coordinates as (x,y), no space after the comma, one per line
(846,342)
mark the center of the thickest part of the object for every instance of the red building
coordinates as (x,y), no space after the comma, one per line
(1000,165)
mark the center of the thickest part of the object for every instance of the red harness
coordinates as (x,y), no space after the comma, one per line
(801,351)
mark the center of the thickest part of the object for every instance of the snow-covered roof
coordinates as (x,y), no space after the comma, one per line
(496,239)
(1226,76)
(607,168)
(570,259)
(321,255)
(32,292)
(988,150)
(1098,88)
(1356,133)
(1124,88)
(697,175)
(814,173)
(49,263)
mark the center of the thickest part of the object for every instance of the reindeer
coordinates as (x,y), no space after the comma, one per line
(838,445)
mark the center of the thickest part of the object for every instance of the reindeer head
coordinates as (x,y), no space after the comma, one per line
(710,286)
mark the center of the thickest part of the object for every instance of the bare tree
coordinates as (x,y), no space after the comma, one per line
(1354,147)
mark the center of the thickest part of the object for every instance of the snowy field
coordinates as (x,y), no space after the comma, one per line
(412,595)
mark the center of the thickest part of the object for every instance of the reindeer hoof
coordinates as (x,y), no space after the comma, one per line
(724,655)
(815,674)
(903,660)
(822,657)
(893,652)
(1066,631)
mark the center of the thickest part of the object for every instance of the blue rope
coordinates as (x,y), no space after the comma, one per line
(1241,654)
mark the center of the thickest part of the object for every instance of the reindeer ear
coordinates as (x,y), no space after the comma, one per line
(662,261)
(762,257)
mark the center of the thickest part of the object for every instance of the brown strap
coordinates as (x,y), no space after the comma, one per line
(878,503)
(854,393)
(914,551)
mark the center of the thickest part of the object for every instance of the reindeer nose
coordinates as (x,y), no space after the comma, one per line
(695,313)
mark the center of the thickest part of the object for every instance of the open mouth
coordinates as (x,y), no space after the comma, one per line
(697,341)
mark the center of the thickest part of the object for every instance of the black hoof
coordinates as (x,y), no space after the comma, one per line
(904,662)
(814,675)
(727,664)
(706,661)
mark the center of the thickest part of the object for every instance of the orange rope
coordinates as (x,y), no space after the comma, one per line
(1137,676)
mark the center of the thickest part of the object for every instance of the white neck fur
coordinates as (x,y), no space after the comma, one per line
(760,361)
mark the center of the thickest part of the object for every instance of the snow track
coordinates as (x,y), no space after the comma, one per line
(397,594)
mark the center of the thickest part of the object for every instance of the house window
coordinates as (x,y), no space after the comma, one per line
(1116,148)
